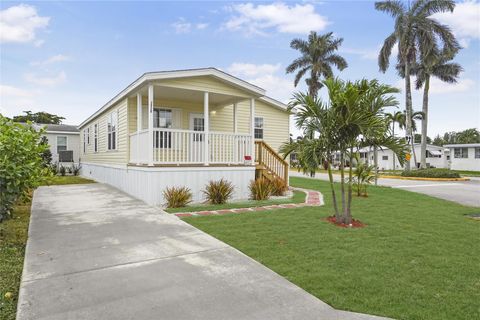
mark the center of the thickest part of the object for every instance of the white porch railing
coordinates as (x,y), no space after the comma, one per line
(174,146)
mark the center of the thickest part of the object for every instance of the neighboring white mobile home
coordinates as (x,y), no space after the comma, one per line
(61,138)
(184,128)
(435,157)
(464,156)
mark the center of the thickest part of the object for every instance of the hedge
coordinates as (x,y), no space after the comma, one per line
(431,173)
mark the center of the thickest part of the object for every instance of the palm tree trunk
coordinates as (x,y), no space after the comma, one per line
(332,187)
(375,163)
(342,187)
(393,134)
(413,149)
(349,197)
(408,106)
(423,148)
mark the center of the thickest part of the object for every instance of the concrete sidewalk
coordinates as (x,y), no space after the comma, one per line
(96,253)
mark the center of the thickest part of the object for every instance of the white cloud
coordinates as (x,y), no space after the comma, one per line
(182,26)
(464,21)
(252,70)
(255,19)
(20,24)
(368,54)
(439,87)
(61,77)
(201,26)
(50,60)
(11,91)
(266,76)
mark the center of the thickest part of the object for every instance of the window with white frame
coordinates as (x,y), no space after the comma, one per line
(460,153)
(112,131)
(477,153)
(258,128)
(88,136)
(61,143)
(95,137)
(384,157)
(162,118)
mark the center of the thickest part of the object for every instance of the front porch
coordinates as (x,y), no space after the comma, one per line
(173,127)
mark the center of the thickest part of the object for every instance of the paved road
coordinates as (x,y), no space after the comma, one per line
(96,253)
(463,192)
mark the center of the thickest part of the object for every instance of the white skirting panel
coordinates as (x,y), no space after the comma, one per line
(148,183)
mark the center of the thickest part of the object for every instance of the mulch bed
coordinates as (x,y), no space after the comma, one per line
(355,223)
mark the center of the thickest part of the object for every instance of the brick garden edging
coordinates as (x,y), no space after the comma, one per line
(313,198)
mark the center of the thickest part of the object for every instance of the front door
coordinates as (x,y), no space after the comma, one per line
(197,123)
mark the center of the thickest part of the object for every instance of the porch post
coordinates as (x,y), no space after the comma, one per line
(150,125)
(252,127)
(235,118)
(206,114)
(235,130)
(139,126)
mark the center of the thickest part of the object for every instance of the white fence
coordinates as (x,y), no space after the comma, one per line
(174,146)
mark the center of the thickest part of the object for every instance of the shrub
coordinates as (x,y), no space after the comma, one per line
(46,154)
(20,163)
(260,189)
(363,176)
(278,186)
(69,170)
(54,168)
(177,197)
(431,173)
(62,170)
(76,169)
(218,192)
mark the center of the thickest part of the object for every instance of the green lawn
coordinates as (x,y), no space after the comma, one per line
(56,180)
(418,257)
(469,173)
(13,237)
(298,197)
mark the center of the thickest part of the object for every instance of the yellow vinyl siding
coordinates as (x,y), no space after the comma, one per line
(118,156)
(276,124)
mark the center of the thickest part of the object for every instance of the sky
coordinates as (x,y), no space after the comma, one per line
(70,58)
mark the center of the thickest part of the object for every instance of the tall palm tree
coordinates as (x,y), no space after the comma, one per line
(394,118)
(414,31)
(318,57)
(437,65)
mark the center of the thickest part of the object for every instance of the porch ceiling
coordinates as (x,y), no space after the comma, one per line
(192,96)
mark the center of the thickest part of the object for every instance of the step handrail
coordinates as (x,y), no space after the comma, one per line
(275,163)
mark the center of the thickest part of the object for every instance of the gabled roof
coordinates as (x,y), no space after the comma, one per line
(53,128)
(59,128)
(161,75)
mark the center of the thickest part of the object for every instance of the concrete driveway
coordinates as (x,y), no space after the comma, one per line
(95,253)
(463,192)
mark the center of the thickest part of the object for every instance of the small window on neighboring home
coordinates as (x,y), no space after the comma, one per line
(88,136)
(95,137)
(61,143)
(84,141)
(384,157)
(258,128)
(112,132)
(460,153)
(477,153)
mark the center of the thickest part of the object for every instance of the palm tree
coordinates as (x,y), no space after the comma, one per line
(414,31)
(317,57)
(437,65)
(393,118)
(352,118)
